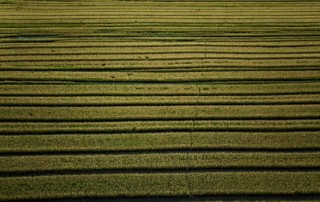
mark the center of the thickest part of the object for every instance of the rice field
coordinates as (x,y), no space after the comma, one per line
(148,100)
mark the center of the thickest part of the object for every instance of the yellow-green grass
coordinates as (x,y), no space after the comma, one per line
(157,100)
(191,124)
(171,10)
(160,112)
(159,77)
(12,35)
(164,30)
(191,160)
(193,65)
(144,23)
(296,44)
(258,9)
(167,56)
(231,30)
(181,14)
(136,49)
(159,184)
(159,141)
(141,50)
(162,89)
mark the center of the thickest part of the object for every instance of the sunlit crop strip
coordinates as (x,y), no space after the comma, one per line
(164,184)
(103,143)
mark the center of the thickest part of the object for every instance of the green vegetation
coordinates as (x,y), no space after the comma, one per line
(158,184)
(157,161)
(163,89)
(159,141)
(157,100)
(173,100)
(160,77)
(157,125)
(161,112)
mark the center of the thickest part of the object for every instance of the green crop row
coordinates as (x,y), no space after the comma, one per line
(14,164)
(160,112)
(157,125)
(161,89)
(96,27)
(158,100)
(158,141)
(165,184)
(164,65)
(164,56)
(160,77)
(93,22)
(166,10)
(59,50)
(163,44)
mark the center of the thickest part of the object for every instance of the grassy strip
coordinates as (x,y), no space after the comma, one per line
(96,34)
(160,89)
(157,100)
(232,3)
(297,140)
(171,56)
(160,112)
(165,28)
(100,66)
(183,19)
(157,44)
(94,16)
(159,141)
(158,65)
(91,22)
(23,128)
(159,77)
(160,27)
(158,161)
(166,184)
(154,10)
(143,7)
(115,142)
(217,26)
(186,23)
(158,50)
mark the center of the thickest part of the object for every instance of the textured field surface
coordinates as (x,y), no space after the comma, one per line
(160,100)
